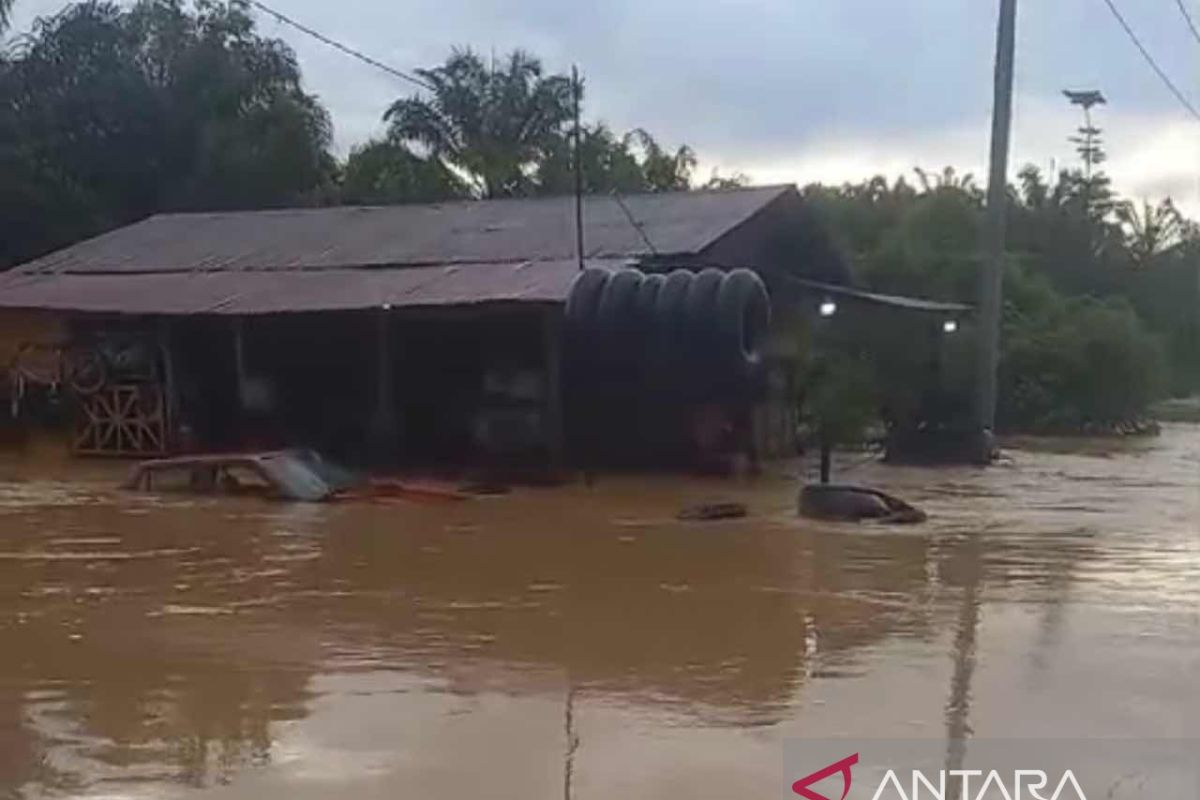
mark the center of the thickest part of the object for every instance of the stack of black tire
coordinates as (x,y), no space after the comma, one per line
(643,348)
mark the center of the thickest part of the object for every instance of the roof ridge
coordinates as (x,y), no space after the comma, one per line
(782,191)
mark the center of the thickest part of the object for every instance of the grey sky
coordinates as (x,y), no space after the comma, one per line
(796,90)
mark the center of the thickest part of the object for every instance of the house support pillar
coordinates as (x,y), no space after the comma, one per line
(239,360)
(552,341)
(384,433)
(170,387)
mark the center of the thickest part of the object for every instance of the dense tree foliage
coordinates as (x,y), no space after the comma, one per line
(606,163)
(110,114)
(383,172)
(1101,308)
(1079,364)
(635,162)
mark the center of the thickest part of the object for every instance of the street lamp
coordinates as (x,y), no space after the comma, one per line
(828,308)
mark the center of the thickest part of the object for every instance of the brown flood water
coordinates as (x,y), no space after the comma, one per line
(171,647)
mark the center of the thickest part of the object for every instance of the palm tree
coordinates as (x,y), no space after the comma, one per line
(948,178)
(489,124)
(5,14)
(1150,231)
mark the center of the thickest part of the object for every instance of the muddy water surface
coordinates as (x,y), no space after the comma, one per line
(164,647)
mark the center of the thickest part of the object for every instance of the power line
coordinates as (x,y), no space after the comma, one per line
(1150,60)
(633,221)
(1188,17)
(366,59)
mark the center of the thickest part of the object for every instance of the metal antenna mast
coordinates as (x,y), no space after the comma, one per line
(576,91)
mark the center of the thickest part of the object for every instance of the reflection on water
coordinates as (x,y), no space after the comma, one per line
(151,645)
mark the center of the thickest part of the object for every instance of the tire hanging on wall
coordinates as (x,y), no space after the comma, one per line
(646,302)
(615,315)
(583,300)
(614,333)
(668,340)
(700,308)
(743,317)
(687,334)
(698,339)
(669,320)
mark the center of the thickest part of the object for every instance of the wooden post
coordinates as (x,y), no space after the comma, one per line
(552,340)
(170,388)
(826,458)
(239,360)
(384,430)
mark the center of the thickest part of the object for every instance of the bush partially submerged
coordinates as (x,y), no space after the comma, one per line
(1079,365)
(843,401)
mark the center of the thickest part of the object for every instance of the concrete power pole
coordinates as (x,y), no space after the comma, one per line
(992,268)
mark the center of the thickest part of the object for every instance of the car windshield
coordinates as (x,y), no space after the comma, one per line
(337,477)
(295,478)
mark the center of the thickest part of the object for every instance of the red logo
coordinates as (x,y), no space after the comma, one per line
(800,787)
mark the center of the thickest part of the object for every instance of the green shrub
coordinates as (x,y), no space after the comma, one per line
(842,402)
(1083,364)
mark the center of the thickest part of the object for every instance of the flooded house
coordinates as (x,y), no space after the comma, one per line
(450,333)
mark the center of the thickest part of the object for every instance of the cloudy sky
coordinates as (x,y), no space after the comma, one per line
(796,90)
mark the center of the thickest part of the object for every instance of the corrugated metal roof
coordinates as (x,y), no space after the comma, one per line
(469,232)
(269,292)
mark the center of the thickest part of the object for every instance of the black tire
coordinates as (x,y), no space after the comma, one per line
(580,356)
(615,313)
(700,309)
(645,305)
(744,318)
(583,300)
(670,336)
(669,307)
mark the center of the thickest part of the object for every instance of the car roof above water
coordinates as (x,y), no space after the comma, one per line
(294,474)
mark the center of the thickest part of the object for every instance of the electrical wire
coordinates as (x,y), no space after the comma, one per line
(350,51)
(1188,18)
(366,59)
(1150,60)
(634,222)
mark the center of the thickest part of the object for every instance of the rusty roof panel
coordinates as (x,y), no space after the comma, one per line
(267,292)
(460,233)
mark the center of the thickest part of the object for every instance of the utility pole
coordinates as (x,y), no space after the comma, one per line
(991,283)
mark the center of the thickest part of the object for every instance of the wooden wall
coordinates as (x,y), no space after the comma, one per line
(19,326)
